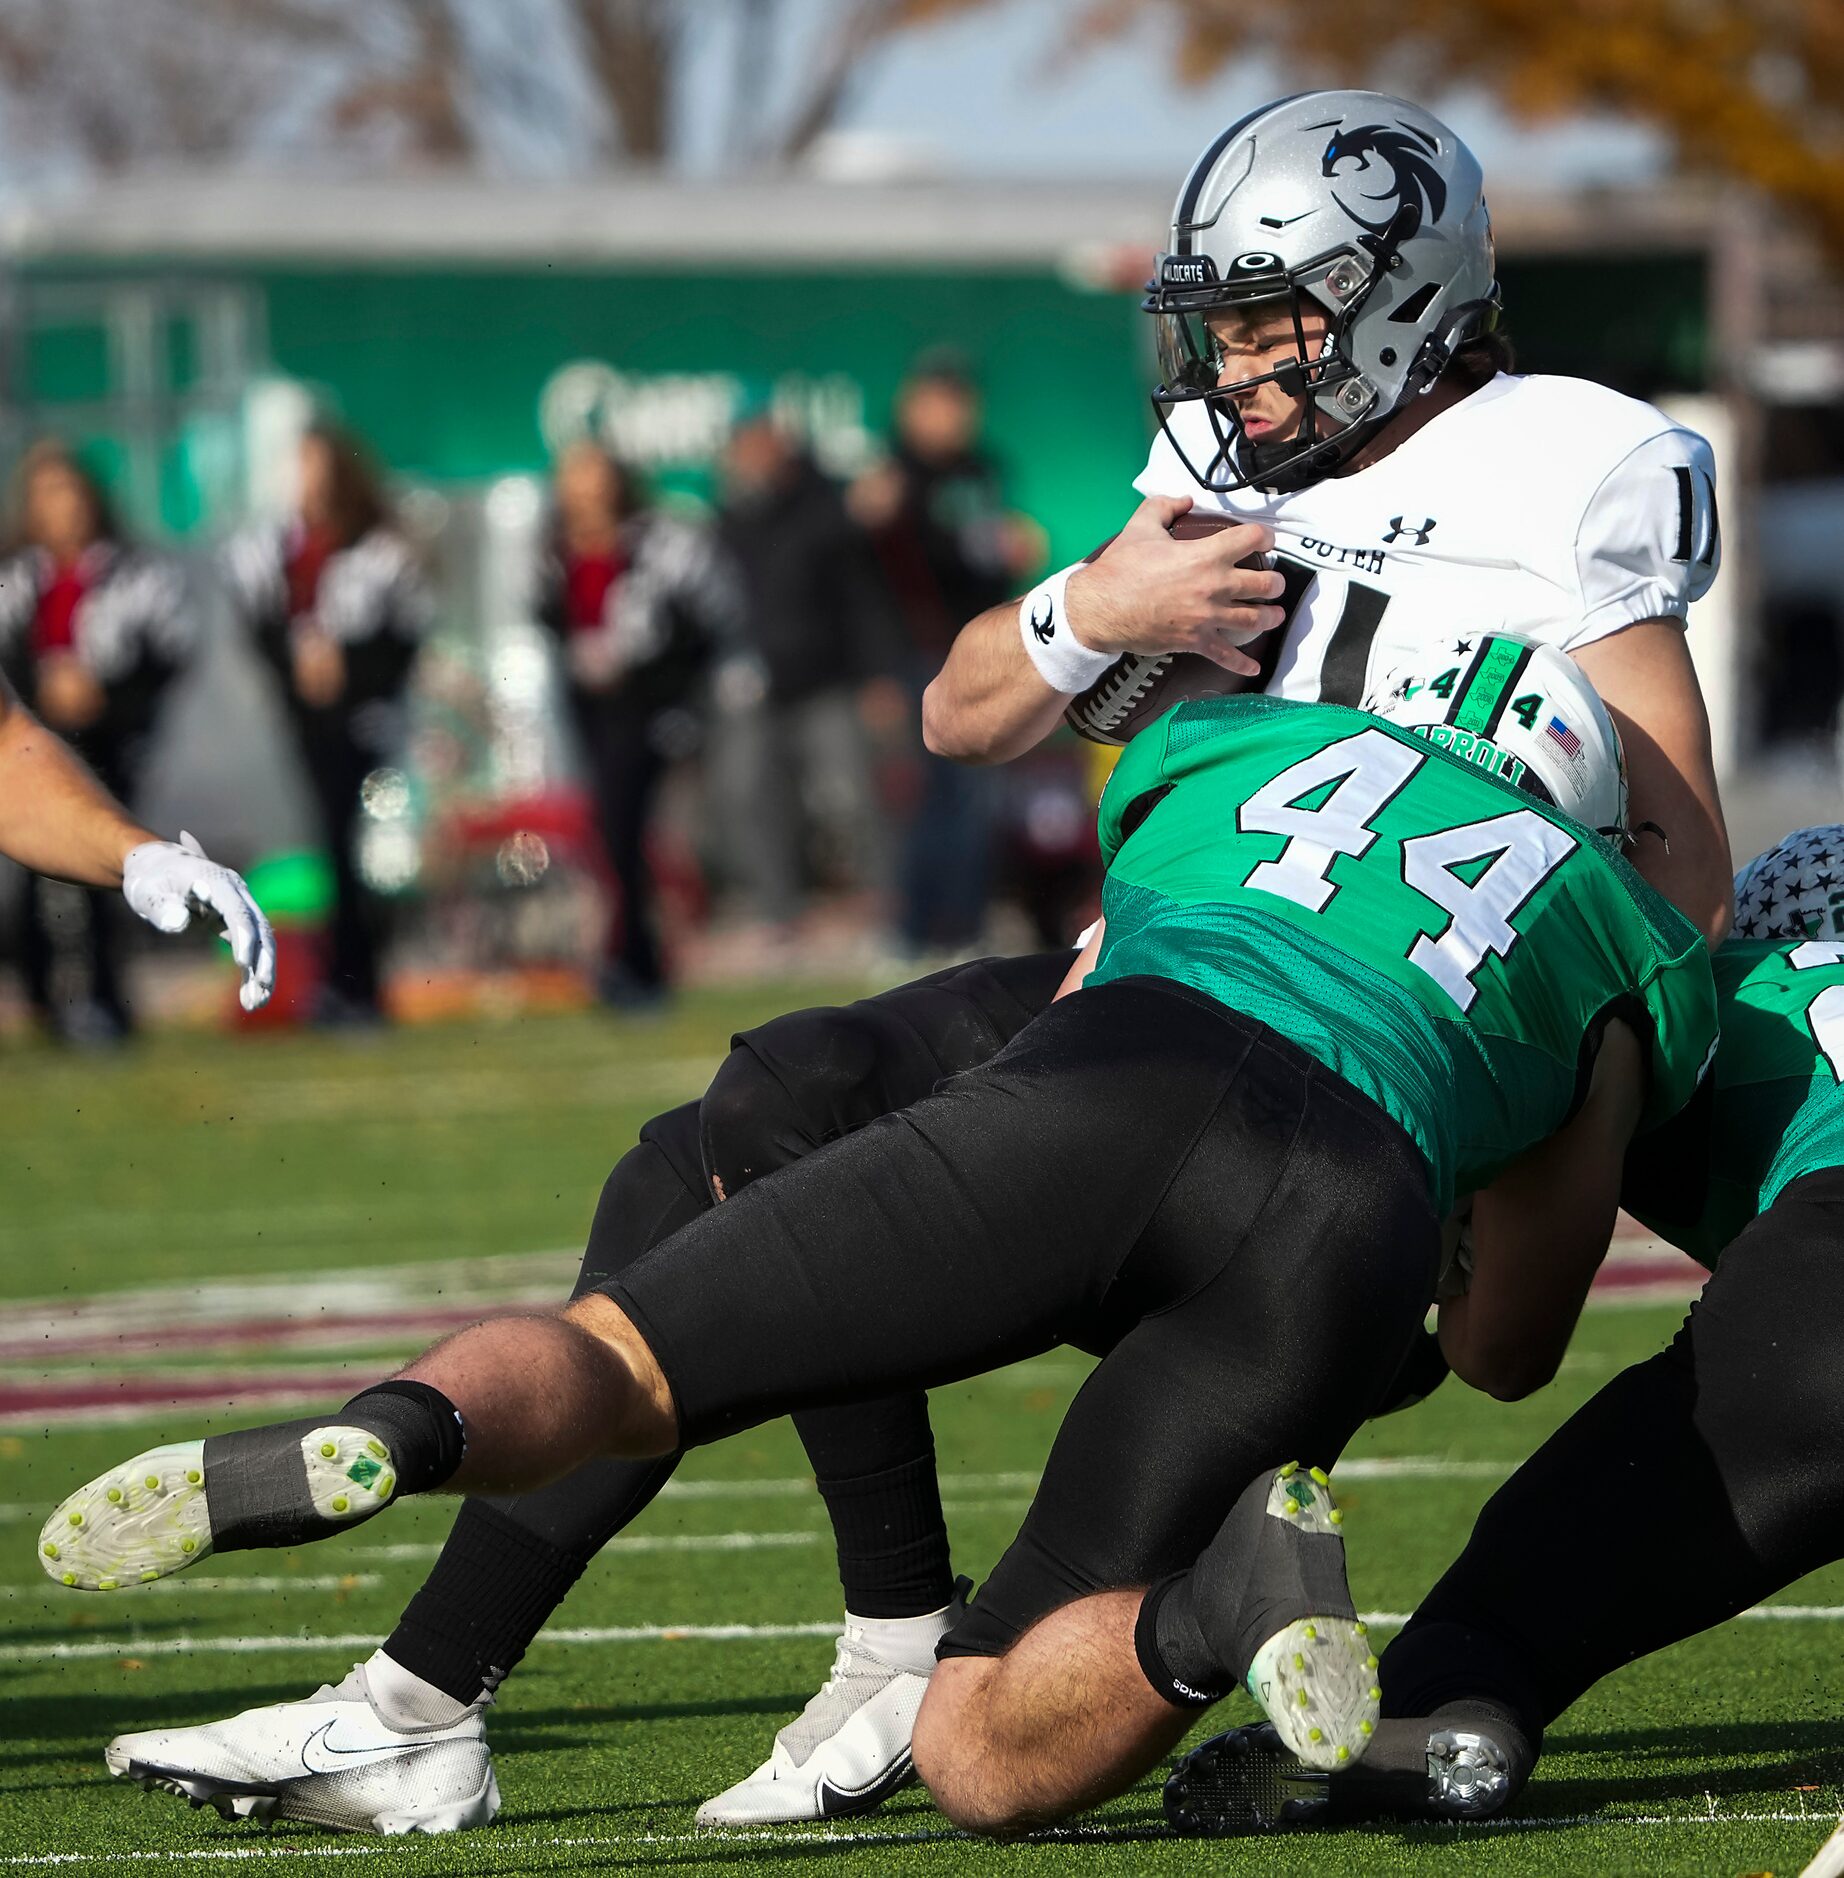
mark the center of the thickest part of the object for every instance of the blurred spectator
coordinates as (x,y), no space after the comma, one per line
(92,633)
(949,549)
(827,646)
(337,606)
(641,602)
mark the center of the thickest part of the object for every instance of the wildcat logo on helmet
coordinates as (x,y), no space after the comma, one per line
(1187,270)
(1414,182)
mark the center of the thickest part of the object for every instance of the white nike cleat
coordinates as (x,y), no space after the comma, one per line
(151,1516)
(848,1750)
(330,1760)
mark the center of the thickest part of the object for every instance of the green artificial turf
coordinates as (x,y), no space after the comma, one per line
(1721,1756)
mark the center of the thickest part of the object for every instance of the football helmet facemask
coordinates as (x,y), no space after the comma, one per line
(1351,204)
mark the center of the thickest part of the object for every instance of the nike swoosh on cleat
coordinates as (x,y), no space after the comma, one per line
(840,1802)
(339,1759)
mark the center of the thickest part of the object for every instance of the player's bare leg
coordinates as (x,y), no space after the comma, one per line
(1061,1722)
(1092,1696)
(539,1396)
(501,1407)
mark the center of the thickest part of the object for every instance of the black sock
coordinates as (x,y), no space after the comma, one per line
(492,1590)
(1432,1665)
(892,1540)
(419,1425)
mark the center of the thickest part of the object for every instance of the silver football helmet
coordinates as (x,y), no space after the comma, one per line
(1361,207)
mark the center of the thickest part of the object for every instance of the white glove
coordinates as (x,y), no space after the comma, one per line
(164,880)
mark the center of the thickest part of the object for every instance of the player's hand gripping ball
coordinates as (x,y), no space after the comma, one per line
(1139,687)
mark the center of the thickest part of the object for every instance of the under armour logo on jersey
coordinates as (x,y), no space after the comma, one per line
(1420,530)
(1043,618)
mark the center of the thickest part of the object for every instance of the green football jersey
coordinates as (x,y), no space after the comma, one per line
(1773,1108)
(1430,933)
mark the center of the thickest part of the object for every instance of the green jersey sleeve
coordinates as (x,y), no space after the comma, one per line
(1774,1110)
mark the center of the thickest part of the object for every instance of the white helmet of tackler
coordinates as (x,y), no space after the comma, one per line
(1522,711)
(1796,889)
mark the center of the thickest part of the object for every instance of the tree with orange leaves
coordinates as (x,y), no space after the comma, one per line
(1751,89)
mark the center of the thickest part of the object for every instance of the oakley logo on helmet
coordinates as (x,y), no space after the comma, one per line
(1414,182)
(1256,263)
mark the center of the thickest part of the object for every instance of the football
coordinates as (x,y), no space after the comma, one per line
(1139,687)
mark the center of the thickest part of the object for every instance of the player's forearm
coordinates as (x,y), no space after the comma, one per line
(1647,681)
(1539,1233)
(989,703)
(55,817)
(1690,865)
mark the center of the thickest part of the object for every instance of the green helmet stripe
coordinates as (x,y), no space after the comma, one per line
(1482,698)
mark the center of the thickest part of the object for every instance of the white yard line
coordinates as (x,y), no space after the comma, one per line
(510,1840)
(622,1633)
(969,1486)
(300,1297)
(306,1581)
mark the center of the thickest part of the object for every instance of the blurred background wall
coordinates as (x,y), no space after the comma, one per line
(477,233)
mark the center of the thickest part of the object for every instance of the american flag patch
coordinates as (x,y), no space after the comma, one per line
(1559,733)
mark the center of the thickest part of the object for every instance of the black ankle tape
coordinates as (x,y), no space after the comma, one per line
(1152,1649)
(419,1425)
(257,1492)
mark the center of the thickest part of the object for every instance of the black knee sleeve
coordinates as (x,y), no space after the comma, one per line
(656,1187)
(750,1123)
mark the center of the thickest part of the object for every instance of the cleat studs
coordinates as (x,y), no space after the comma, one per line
(1320,1477)
(327,1450)
(1315,1735)
(1336,1516)
(1344,1753)
(105,1584)
(1370,1662)
(377,1450)
(152,1481)
(1376,1694)
(51,1551)
(76,1519)
(114,1496)
(1306,1700)
(1363,1629)
(1299,1662)
(69,1578)
(1310,1632)
(148,1576)
(1366,1727)
(188,1545)
(1293,1508)
(1292,1468)
(341,1503)
(386,1486)
(193,1476)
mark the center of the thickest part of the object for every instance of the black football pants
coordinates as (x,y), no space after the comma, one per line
(1247,1241)
(1692,1486)
(787,1087)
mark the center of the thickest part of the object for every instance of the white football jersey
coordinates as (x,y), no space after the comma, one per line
(1551,508)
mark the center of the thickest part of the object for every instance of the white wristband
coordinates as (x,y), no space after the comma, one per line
(1062,660)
